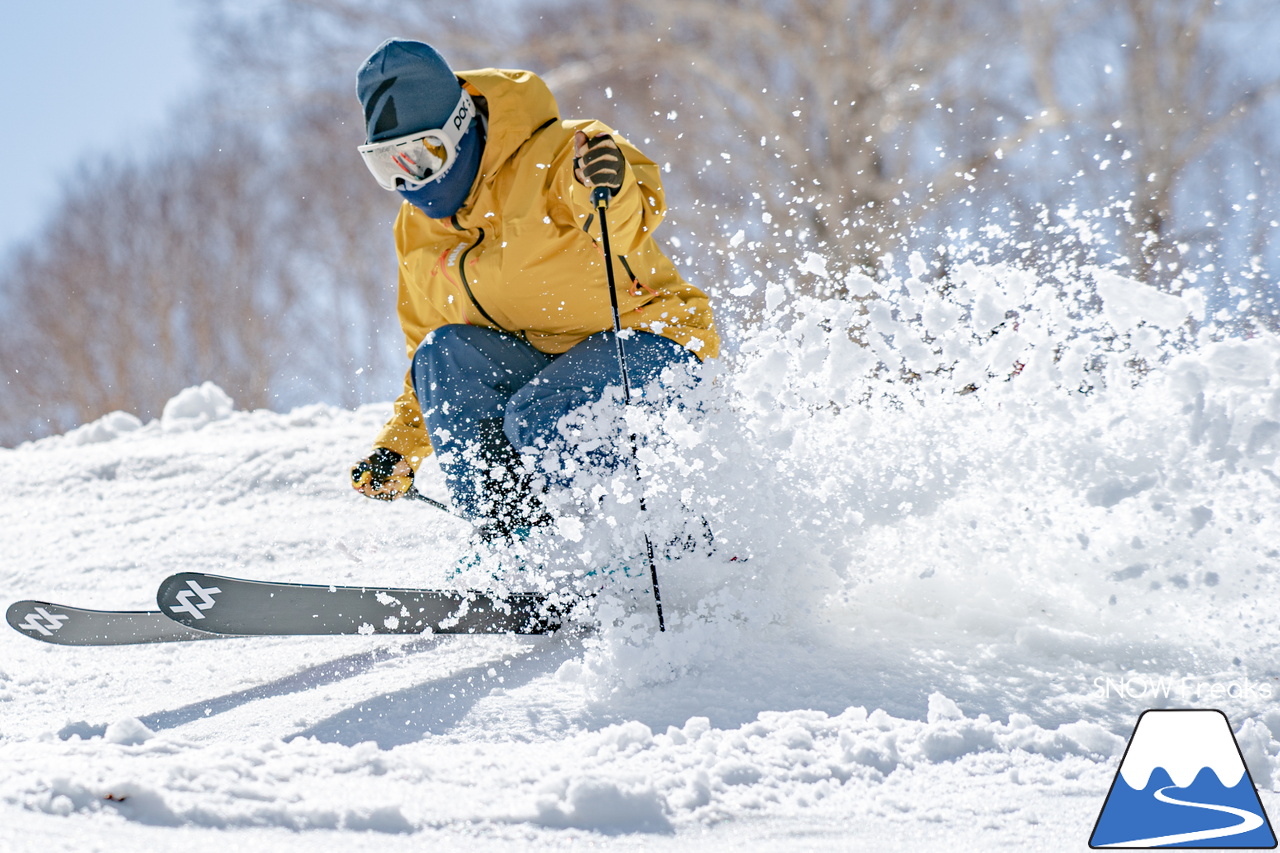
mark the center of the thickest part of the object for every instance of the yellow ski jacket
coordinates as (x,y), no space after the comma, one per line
(523,253)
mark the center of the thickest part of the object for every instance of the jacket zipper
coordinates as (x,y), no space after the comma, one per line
(462,274)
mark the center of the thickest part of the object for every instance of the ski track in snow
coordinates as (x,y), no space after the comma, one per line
(909,654)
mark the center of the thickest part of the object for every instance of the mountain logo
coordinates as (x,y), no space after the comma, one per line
(1183,783)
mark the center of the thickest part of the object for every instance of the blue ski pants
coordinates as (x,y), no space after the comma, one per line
(468,376)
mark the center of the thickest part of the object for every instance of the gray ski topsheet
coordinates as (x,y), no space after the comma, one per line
(247,607)
(75,626)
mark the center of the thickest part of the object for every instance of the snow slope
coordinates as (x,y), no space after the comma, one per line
(971,553)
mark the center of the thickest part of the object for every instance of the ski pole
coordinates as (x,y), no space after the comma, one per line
(600,197)
(413,494)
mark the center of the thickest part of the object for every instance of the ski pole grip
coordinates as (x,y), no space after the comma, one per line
(600,197)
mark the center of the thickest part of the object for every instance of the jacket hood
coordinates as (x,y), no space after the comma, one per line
(520,104)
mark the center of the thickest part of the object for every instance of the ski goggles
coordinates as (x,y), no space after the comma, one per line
(412,161)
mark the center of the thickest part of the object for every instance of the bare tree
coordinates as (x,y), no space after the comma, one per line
(150,278)
(1162,90)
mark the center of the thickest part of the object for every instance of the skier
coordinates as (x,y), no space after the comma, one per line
(503,294)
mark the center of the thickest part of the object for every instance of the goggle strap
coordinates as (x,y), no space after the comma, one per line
(455,127)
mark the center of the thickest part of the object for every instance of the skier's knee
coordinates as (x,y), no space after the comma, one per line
(442,340)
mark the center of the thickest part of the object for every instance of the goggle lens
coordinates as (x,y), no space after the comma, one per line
(420,159)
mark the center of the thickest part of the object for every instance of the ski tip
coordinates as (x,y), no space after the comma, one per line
(63,625)
(185,596)
(39,620)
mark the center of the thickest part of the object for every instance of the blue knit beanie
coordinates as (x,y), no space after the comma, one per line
(406,86)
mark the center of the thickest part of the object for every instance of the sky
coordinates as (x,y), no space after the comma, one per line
(82,78)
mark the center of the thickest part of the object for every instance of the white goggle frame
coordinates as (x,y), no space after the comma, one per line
(412,161)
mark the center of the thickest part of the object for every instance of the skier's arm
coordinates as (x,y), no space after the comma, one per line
(406,432)
(635,210)
(401,446)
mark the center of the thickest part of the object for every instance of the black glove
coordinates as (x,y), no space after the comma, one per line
(598,162)
(384,475)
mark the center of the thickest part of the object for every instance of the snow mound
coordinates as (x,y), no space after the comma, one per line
(194,407)
(605,805)
(106,428)
(128,732)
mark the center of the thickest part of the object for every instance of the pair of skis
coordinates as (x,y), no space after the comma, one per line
(198,606)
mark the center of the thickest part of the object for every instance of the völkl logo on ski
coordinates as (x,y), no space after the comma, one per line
(1183,782)
(186,605)
(51,622)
